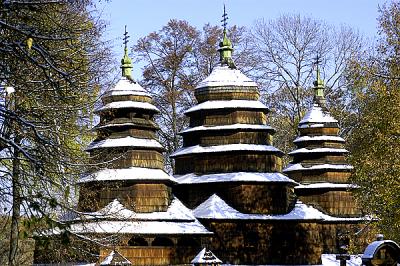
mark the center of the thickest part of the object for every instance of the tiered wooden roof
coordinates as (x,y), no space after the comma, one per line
(319,162)
(127,193)
(229,144)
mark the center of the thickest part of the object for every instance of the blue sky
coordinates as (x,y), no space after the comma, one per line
(145,16)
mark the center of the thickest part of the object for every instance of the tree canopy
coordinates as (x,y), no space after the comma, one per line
(375,139)
(52,57)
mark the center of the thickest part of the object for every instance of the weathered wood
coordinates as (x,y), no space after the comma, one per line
(117,98)
(335,203)
(227,137)
(227,117)
(226,93)
(245,161)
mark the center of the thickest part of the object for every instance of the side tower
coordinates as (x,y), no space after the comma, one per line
(127,195)
(319,165)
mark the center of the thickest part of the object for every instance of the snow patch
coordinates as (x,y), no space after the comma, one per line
(126,87)
(132,173)
(300,167)
(206,256)
(128,104)
(225,76)
(318,150)
(330,260)
(227,127)
(318,138)
(115,210)
(327,185)
(216,208)
(233,177)
(231,104)
(224,148)
(317,115)
(125,142)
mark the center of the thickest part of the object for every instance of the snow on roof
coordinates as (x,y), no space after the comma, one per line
(132,173)
(227,127)
(135,227)
(230,104)
(318,150)
(128,104)
(225,76)
(233,177)
(216,208)
(117,211)
(317,115)
(115,257)
(311,125)
(205,256)
(330,260)
(126,87)
(300,167)
(224,148)
(125,142)
(326,185)
(318,138)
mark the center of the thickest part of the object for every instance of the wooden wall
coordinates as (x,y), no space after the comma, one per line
(226,93)
(245,161)
(227,117)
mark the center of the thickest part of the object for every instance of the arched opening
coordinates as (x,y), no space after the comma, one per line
(137,241)
(162,241)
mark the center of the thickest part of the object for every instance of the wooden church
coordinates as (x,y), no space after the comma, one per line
(228,201)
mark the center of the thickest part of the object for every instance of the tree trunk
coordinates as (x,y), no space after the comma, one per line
(16,208)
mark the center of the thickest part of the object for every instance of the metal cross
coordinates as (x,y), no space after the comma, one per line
(126,37)
(224,19)
(317,60)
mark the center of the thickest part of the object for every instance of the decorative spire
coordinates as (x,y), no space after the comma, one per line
(319,87)
(225,50)
(126,62)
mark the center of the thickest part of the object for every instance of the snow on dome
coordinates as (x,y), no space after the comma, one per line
(216,208)
(127,104)
(125,142)
(318,150)
(224,148)
(317,115)
(300,167)
(117,211)
(233,177)
(227,127)
(126,87)
(230,104)
(318,138)
(206,256)
(225,76)
(132,173)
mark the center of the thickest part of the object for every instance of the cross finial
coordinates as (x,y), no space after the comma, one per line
(126,37)
(126,62)
(224,19)
(319,97)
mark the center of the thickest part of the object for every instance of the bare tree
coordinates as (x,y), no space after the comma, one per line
(286,49)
